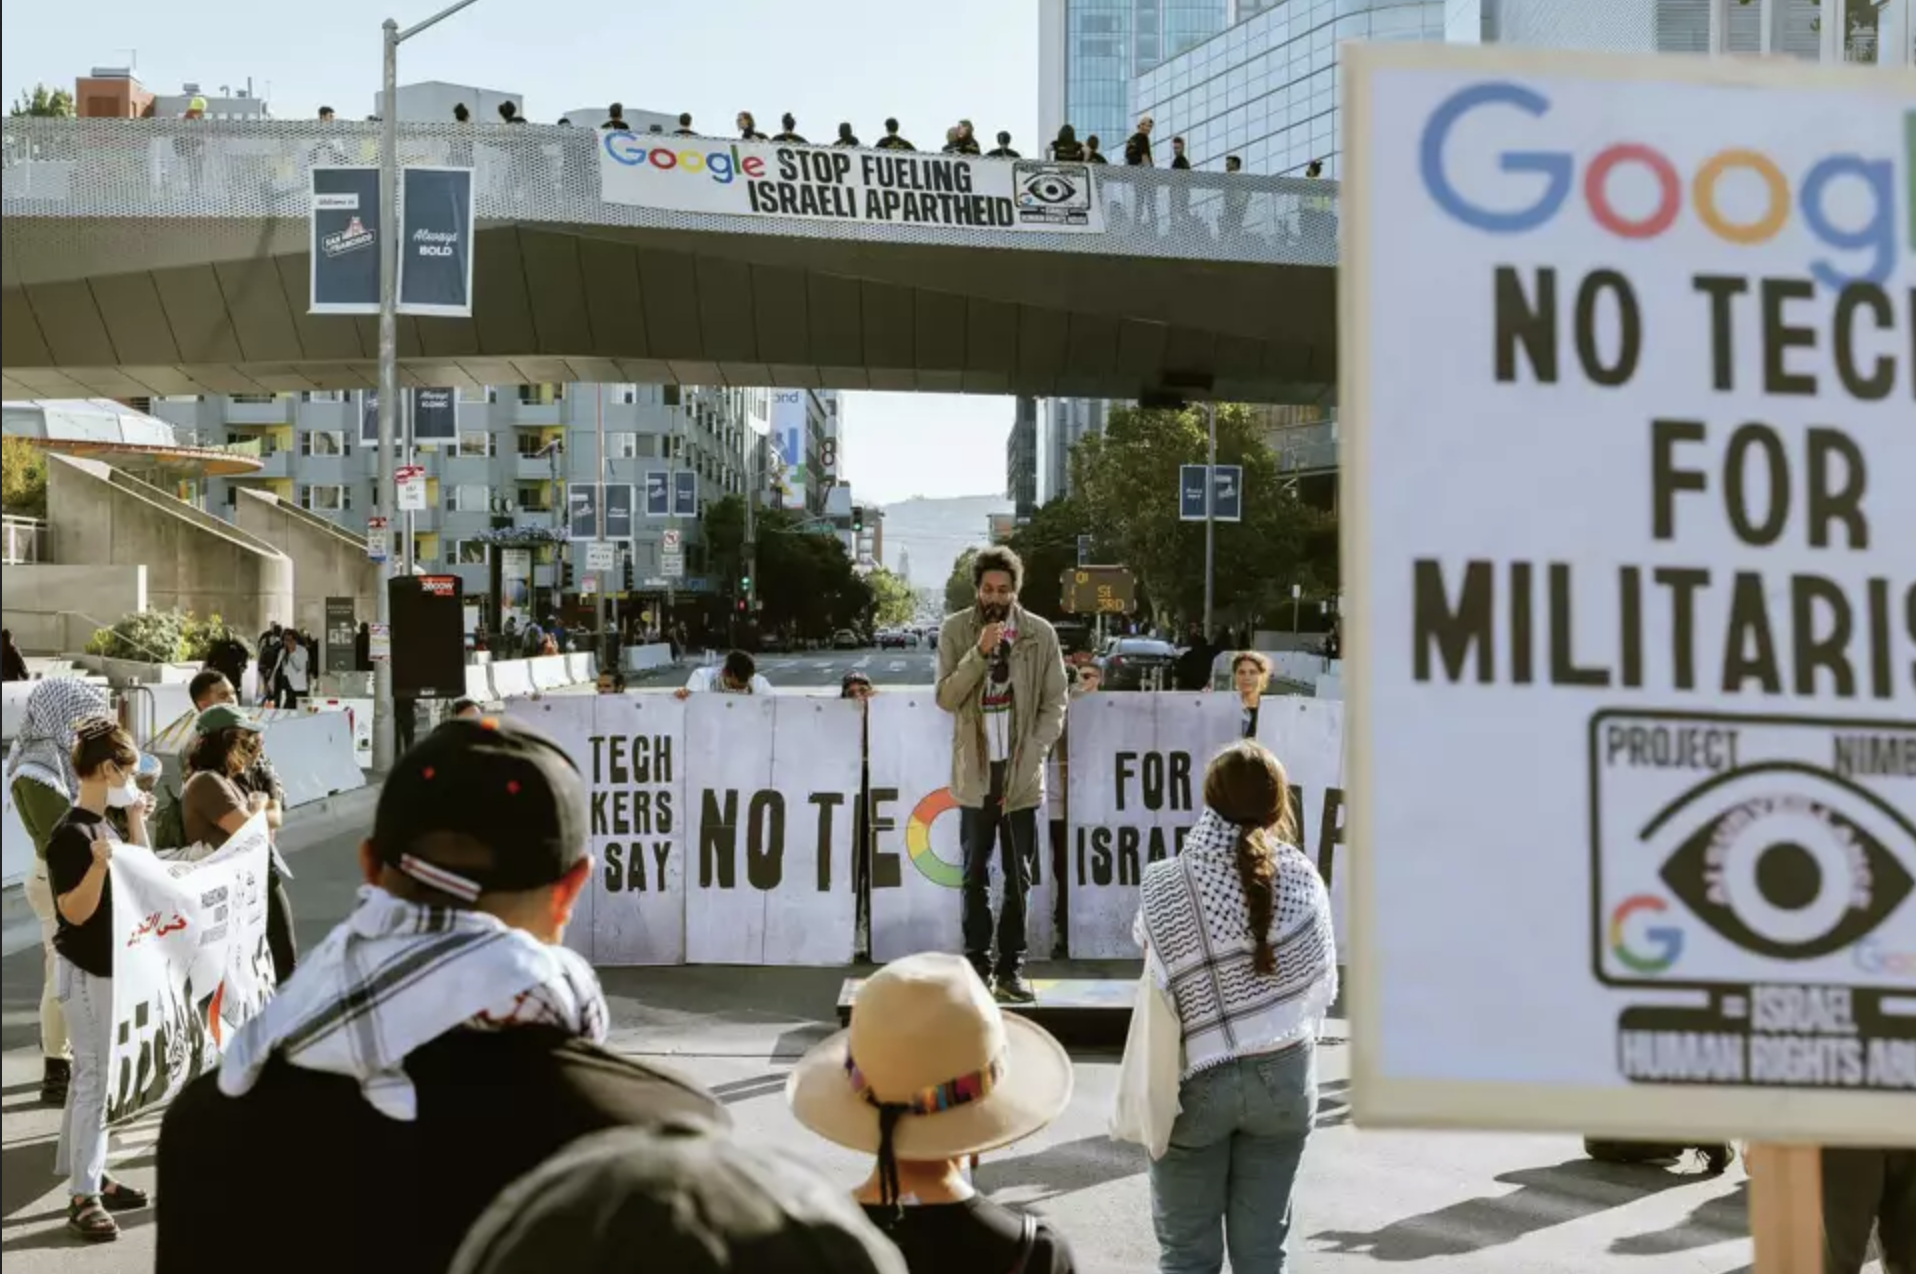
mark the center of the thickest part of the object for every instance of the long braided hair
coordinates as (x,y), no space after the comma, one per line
(1248,788)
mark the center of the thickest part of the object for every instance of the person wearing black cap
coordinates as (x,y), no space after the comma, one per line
(1003,149)
(856,685)
(788,133)
(433,1048)
(891,140)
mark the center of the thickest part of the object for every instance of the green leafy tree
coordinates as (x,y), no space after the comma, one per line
(1127,482)
(805,582)
(1048,546)
(23,478)
(54,103)
(893,602)
(960,592)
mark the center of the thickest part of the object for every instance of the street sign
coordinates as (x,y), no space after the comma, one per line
(601,555)
(411,481)
(1228,480)
(376,539)
(379,641)
(673,564)
(674,540)
(341,629)
(1099,590)
(588,584)
(1084,550)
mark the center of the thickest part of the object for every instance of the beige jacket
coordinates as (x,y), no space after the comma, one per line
(1038,697)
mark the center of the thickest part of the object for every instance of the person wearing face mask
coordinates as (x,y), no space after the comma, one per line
(1001,676)
(42,781)
(78,851)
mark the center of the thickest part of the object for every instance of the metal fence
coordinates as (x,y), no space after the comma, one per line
(26,541)
(142,170)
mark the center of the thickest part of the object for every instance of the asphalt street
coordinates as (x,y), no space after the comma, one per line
(812,671)
(1437,1203)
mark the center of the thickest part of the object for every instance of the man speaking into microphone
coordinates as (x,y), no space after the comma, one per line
(1001,676)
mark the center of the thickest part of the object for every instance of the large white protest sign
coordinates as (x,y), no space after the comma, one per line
(770,793)
(813,183)
(1629,390)
(1307,737)
(630,749)
(190,964)
(1137,787)
(918,855)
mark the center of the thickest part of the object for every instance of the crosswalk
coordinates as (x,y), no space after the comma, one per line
(868,664)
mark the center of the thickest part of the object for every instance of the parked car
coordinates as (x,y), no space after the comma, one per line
(1130,663)
(846,639)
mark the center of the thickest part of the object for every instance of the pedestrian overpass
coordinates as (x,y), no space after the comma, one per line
(155,257)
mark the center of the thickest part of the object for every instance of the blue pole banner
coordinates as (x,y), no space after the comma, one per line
(685,494)
(344,241)
(618,512)
(435,250)
(658,494)
(435,415)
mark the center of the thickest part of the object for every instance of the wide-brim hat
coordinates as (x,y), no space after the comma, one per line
(926,1032)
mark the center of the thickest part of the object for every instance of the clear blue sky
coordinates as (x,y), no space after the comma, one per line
(929,64)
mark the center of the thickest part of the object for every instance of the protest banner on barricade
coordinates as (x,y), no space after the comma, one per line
(630,749)
(917,854)
(1137,787)
(190,965)
(772,788)
(815,183)
(1631,627)
(1307,737)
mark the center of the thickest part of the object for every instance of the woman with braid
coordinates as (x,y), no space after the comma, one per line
(1237,930)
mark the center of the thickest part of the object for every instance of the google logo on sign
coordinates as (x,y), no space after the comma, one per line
(1828,180)
(722,166)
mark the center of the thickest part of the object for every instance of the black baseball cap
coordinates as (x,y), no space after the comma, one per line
(692,1201)
(496,782)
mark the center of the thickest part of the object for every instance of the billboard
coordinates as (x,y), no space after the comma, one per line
(789,436)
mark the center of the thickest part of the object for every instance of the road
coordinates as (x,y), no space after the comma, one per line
(812,671)
(1433,1203)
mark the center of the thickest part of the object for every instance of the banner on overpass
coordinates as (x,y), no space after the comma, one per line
(811,183)
(435,257)
(344,245)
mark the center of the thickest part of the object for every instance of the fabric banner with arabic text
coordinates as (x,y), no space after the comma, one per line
(190,965)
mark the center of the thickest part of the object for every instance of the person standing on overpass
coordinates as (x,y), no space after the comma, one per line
(738,675)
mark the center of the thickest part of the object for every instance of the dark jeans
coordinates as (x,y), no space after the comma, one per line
(279,928)
(979,829)
(1861,1186)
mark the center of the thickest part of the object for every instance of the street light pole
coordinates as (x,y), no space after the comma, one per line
(1210,517)
(607,650)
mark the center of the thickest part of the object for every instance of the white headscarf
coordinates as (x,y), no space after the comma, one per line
(43,750)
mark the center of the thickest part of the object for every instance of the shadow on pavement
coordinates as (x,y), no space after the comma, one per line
(1721,1218)
(58,1236)
(1063,1168)
(1545,1197)
(26,1175)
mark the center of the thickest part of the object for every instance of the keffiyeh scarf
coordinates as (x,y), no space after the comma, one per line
(1193,922)
(395,976)
(43,750)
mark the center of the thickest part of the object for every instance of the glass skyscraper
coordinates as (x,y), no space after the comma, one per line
(1090,51)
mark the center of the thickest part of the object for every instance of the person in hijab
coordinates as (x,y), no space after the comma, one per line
(42,782)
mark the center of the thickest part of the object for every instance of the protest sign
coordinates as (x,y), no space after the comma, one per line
(1307,737)
(1136,775)
(918,855)
(769,801)
(1649,565)
(630,749)
(190,965)
(810,183)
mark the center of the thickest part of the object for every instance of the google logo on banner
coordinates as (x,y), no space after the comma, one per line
(722,166)
(918,840)
(1666,942)
(1869,242)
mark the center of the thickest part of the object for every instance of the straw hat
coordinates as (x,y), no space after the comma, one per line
(925,1033)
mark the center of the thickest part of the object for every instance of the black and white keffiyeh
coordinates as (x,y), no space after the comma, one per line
(1194,924)
(43,748)
(395,976)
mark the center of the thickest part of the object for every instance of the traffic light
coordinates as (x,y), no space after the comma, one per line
(741,605)
(629,581)
(744,585)
(565,572)
(858,518)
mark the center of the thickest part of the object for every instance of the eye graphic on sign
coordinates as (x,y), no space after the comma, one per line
(1049,186)
(1791,861)
(918,840)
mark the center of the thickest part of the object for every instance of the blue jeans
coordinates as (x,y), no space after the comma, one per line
(1226,1178)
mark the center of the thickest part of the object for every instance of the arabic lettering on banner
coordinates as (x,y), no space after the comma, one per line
(917,869)
(1307,736)
(1137,787)
(771,813)
(761,179)
(190,965)
(630,748)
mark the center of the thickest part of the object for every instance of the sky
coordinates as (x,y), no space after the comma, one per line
(823,60)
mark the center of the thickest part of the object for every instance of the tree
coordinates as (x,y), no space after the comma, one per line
(1127,481)
(1048,546)
(805,581)
(44,102)
(23,478)
(960,592)
(893,602)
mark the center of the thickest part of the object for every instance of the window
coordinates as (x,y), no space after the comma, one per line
(322,442)
(325,395)
(326,499)
(475,443)
(468,498)
(623,393)
(469,552)
(232,496)
(622,446)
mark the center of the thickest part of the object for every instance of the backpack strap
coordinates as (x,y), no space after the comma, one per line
(1027,1241)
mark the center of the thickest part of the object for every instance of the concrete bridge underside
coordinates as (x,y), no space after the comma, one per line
(221,307)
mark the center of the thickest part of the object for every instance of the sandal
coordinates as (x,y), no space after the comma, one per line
(118,1196)
(89,1219)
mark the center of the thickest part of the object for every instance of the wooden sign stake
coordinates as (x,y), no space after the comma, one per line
(1786,1208)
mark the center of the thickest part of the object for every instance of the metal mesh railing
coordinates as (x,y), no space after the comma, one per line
(142,171)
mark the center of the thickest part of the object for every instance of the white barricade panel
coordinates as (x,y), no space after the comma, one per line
(479,683)
(549,672)
(512,678)
(1136,789)
(13,707)
(918,856)
(770,804)
(630,748)
(578,668)
(359,713)
(313,754)
(1307,735)
(640,658)
(1330,687)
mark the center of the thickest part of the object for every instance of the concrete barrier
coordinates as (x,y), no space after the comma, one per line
(512,678)
(313,753)
(359,712)
(580,667)
(479,682)
(653,655)
(46,606)
(549,672)
(1330,687)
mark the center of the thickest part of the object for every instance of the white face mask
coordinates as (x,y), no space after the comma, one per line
(126,795)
